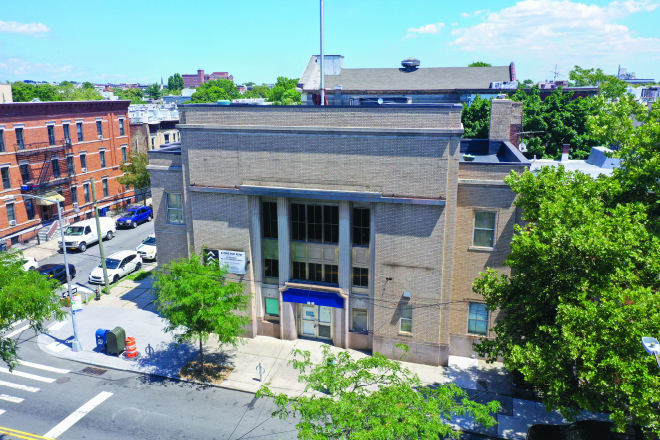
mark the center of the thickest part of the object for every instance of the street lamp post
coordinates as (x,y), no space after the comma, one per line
(75,345)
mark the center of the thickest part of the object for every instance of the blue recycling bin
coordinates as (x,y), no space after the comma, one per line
(102,212)
(101,339)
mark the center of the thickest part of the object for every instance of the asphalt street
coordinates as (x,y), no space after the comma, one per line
(57,398)
(124,239)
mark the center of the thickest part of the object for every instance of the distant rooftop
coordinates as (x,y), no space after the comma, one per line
(598,163)
(491,152)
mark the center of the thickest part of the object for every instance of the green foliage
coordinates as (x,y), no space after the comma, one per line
(214,90)
(153,90)
(88,85)
(257,92)
(557,120)
(480,64)
(610,86)
(197,302)
(136,175)
(22,92)
(476,119)
(134,95)
(175,82)
(372,397)
(583,293)
(70,93)
(24,296)
(284,92)
(139,275)
(528,82)
(250,83)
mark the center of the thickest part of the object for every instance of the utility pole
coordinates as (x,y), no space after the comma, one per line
(98,233)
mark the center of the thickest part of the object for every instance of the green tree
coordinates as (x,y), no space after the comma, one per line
(257,92)
(197,301)
(584,290)
(476,119)
(88,85)
(215,90)
(284,92)
(69,92)
(610,86)
(154,91)
(24,295)
(47,92)
(134,95)
(372,397)
(175,82)
(480,64)
(22,92)
(528,82)
(250,83)
(136,175)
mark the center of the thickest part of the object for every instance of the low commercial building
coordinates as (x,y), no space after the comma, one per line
(360,226)
(53,149)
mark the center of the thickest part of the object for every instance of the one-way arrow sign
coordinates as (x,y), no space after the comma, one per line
(211,256)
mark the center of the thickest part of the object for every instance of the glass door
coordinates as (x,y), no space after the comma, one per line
(309,321)
(324,328)
(316,321)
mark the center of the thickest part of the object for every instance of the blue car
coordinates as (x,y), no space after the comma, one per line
(133,216)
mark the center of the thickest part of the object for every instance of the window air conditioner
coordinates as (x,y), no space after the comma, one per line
(100,137)
(75,205)
(84,170)
(12,222)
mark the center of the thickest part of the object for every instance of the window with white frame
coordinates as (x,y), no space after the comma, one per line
(174,208)
(79,131)
(51,134)
(29,208)
(74,194)
(99,129)
(484,229)
(124,157)
(405,322)
(2,140)
(478,319)
(86,192)
(122,131)
(102,158)
(6,179)
(359,320)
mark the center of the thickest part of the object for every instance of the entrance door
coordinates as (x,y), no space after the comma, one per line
(324,329)
(45,211)
(309,321)
(316,321)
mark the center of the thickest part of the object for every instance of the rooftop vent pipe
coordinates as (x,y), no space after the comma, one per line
(409,65)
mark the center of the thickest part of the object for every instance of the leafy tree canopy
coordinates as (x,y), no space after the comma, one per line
(476,119)
(372,397)
(215,90)
(197,301)
(257,92)
(136,175)
(154,91)
(528,82)
(480,64)
(88,85)
(24,295)
(134,95)
(610,86)
(175,82)
(284,92)
(249,83)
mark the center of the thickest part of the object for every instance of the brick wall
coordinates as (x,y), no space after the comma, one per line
(506,120)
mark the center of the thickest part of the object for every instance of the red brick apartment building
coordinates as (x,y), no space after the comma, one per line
(53,149)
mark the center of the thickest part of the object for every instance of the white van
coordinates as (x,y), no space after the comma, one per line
(81,234)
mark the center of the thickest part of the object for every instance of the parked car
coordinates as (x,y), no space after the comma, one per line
(29,263)
(584,430)
(118,264)
(81,234)
(147,250)
(134,216)
(57,271)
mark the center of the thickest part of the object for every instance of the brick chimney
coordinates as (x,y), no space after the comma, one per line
(506,121)
(564,152)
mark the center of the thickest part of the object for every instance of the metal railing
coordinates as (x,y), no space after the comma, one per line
(36,147)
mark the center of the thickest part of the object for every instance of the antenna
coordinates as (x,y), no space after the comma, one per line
(556,72)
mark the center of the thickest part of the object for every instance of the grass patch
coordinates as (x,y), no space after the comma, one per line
(213,373)
(138,276)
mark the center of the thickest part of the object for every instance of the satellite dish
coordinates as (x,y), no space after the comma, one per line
(380,101)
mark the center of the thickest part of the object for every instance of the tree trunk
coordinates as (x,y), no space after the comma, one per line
(201,354)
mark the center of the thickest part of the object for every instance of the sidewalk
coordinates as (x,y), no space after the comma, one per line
(130,306)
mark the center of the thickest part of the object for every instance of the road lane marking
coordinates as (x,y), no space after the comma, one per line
(14,324)
(56,346)
(27,375)
(18,387)
(21,434)
(44,367)
(9,398)
(57,325)
(77,415)
(2,411)
(15,332)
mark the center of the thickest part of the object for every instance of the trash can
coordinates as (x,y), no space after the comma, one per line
(116,341)
(102,212)
(101,335)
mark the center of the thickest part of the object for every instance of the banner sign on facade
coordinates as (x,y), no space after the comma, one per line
(235,261)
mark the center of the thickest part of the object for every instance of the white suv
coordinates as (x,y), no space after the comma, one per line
(118,264)
(147,250)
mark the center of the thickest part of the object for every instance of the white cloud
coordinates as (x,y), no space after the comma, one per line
(560,30)
(473,14)
(455,23)
(14,27)
(19,67)
(432,29)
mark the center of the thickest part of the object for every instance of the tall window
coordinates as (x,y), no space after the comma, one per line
(25,172)
(315,223)
(122,131)
(124,159)
(86,192)
(6,180)
(106,192)
(51,134)
(67,133)
(79,131)
(167,138)
(83,162)
(269,215)
(2,141)
(29,208)
(484,229)
(69,165)
(11,212)
(359,320)
(315,272)
(102,157)
(56,167)
(174,208)
(74,194)
(331,273)
(99,129)
(299,270)
(405,322)
(361,277)
(478,319)
(20,139)
(361,226)
(271,268)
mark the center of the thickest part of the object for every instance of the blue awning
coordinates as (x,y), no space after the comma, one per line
(313,297)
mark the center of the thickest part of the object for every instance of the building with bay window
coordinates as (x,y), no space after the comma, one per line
(359,226)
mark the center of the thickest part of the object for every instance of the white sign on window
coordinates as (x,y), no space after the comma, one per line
(235,261)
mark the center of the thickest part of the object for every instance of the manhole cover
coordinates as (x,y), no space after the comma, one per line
(63,380)
(94,371)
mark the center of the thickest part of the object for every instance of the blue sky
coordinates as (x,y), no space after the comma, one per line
(140,41)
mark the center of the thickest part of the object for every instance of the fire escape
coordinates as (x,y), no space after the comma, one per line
(46,165)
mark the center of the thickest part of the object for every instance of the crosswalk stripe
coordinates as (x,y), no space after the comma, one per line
(15,332)
(11,398)
(14,324)
(44,367)
(77,415)
(27,375)
(18,387)
(57,325)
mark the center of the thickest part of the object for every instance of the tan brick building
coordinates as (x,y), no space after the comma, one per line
(362,226)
